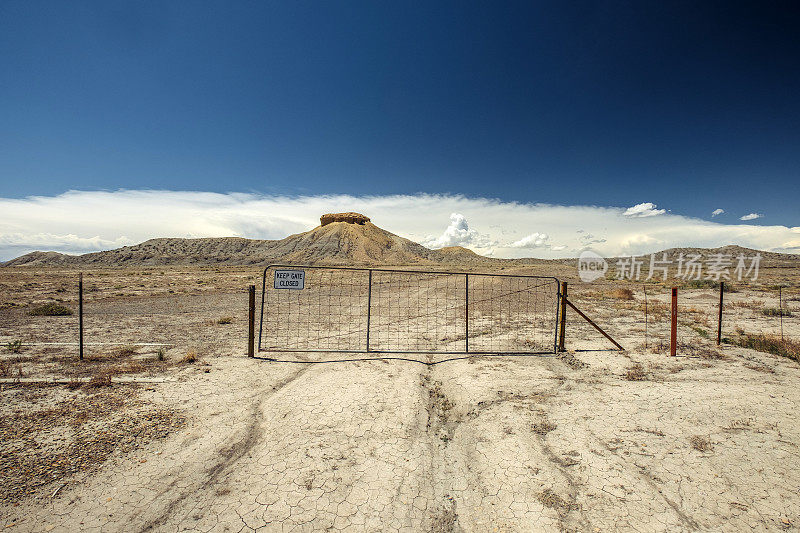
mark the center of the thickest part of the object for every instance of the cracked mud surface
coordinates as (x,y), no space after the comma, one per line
(486,444)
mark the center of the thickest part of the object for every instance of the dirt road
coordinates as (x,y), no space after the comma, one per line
(483,444)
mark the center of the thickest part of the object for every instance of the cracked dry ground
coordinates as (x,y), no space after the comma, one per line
(485,444)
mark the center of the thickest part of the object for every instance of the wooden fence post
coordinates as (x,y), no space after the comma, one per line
(673,337)
(80,316)
(563,318)
(251,322)
(719,320)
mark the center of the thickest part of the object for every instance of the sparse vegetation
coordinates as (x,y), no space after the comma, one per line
(636,372)
(767,343)
(14,346)
(700,331)
(160,354)
(700,443)
(543,427)
(125,351)
(225,320)
(774,311)
(190,357)
(621,294)
(51,309)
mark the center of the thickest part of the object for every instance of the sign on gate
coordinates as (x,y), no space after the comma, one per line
(290,279)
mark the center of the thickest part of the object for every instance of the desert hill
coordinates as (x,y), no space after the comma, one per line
(335,242)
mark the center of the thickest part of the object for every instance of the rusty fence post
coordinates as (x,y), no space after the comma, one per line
(719,319)
(251,321)
(563,318)
(80,316)
(673,336)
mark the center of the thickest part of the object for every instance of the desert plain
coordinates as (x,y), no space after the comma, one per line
(167,425)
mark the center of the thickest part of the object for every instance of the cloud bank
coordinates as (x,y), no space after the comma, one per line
(85,221)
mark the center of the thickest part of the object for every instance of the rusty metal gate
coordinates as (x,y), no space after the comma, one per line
(360,310)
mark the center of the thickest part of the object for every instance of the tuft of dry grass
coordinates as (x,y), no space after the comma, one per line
(543,427)
(774,311)
(51,309)
(126,351)
(225,320)
(700,443)
(621,294)
(767,343)
(190,357)
(14,346)
(636,372)
(102,379)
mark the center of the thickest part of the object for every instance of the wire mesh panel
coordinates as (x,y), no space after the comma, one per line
(512,313)
(342,309)
(417,312)
(328,314)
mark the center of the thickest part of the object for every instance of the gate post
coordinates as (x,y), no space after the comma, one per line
(466,313)
(369,305)
(251,321)
(563,318)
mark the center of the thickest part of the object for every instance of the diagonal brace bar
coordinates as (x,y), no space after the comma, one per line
(589,320)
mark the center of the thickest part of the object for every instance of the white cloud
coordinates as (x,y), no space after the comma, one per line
(716,212)
(78,221)
(458,233)
(646,209)
(534,240)
(751,216)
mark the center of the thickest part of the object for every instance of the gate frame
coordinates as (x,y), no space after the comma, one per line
(466,275)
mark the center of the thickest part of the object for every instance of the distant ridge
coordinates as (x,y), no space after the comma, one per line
(335,243)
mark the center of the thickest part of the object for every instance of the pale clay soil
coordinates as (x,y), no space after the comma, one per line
(699,442)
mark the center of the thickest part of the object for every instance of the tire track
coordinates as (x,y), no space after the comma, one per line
(228,456)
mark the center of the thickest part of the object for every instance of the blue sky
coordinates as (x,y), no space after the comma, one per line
(690,106)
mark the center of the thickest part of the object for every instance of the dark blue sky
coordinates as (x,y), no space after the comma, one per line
(690,105)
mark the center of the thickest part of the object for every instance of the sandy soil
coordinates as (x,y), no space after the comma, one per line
(590,440)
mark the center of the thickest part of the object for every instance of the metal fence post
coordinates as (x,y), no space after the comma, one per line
(673,335)
(719,320)
(80,316)
(466,313)
(369,305)
(251,321)
(563,318)
(780,307)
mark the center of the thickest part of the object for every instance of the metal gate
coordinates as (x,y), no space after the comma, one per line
(360,310)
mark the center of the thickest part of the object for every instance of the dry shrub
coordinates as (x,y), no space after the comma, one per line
(700,443)
(774,311)
(102,379)
(190,357)
(656,309)
(51,309)
(636,372)
(126,350)
(225,320)
(621,294)
(543,427)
